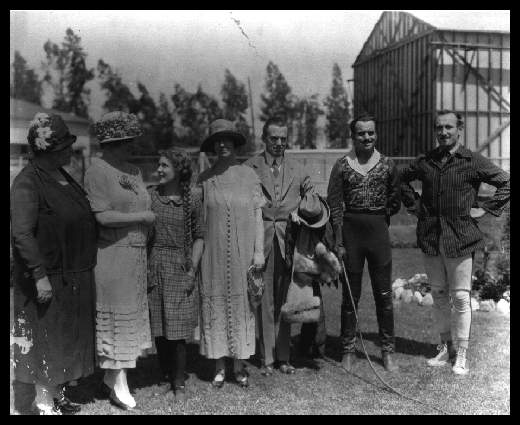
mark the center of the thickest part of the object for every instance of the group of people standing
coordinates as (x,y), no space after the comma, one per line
(103,269)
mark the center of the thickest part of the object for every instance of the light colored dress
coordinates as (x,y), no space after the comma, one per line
(227,319)
(122,317)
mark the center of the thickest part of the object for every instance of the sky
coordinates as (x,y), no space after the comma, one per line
(161,48)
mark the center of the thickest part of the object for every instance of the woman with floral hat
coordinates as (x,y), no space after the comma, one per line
(175,251)
(122,208)
(54,248)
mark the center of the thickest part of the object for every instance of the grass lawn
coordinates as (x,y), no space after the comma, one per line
(327,389)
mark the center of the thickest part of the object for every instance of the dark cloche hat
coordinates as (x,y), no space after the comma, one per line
(49,133)
(220,128)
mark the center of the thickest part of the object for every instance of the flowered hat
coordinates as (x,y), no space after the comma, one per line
(49,133)
(117,125)
(220,128)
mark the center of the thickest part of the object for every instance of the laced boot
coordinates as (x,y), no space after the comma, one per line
(460,368)
(445,352)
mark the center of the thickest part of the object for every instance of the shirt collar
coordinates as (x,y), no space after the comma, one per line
(270,158)
(165,199)
(354,163)
(461,151)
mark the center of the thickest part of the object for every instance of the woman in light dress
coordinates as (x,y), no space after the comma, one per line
(233,242)
(122,208)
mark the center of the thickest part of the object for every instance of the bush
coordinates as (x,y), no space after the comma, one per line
(492,277)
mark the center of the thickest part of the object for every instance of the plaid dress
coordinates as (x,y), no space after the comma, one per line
(172,310)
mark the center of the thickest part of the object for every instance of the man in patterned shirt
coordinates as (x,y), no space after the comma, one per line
(363,193)
(447,231)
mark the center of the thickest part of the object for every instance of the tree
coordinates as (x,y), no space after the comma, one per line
(67,74)
(278,100)
(195,111)
(26,85)
(338,111)
(235,99)
(307,111)
(119,96)
(165,135)
(147,114)
(156,120)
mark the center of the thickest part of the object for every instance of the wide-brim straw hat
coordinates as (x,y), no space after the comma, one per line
(218,129)
(116,126)
(313,211)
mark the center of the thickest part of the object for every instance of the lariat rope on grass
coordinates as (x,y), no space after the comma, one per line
(392,389)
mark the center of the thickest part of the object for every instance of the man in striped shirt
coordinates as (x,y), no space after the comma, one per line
(447,230)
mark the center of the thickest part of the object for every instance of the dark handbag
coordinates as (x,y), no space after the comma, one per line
(255,286)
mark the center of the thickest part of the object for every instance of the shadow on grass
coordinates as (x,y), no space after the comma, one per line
(147,373)
(334,350)
(402,345)
(405,346)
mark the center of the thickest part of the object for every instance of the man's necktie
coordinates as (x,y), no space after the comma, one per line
(276,171)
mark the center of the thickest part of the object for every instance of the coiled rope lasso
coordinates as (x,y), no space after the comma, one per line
(387,385)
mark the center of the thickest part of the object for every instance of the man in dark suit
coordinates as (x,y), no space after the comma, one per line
(284,183)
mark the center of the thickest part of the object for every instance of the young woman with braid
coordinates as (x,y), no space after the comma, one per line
(175,249)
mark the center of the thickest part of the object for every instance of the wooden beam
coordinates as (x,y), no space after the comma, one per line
(397,45)
(485,84)
(493,136)
(469,46)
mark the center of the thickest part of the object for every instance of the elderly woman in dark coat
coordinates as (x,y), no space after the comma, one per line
(54,249)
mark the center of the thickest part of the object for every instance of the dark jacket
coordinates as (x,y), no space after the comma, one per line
(53,229)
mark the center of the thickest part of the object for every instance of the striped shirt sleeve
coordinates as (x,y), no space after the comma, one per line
(491,174)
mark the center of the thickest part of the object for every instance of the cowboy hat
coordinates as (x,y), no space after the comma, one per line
(221,128)
(313,211)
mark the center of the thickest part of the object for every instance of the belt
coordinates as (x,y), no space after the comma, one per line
(169,248)
(366,211)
